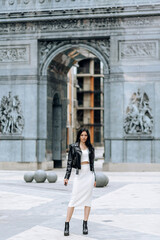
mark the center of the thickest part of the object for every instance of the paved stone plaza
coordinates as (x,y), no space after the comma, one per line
(40,41)
(127,209)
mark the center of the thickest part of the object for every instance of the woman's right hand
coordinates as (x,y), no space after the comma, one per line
(65,182)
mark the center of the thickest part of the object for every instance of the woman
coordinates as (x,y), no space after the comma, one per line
(80,157)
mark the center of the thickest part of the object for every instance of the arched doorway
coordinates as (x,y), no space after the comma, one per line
(56,131)
(56,58)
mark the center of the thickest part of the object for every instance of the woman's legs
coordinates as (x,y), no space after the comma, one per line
(68,218)
(69,213)
(86,212)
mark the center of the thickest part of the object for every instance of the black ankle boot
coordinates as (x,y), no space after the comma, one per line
(85,228)
(66,229)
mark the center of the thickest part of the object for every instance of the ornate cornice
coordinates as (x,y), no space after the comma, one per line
(30,5)
(21,13)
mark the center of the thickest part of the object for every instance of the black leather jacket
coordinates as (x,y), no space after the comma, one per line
(74,159)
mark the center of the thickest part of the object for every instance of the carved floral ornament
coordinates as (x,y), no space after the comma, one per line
(139,118)
(11,117)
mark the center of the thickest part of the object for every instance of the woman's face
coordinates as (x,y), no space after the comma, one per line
(83,137)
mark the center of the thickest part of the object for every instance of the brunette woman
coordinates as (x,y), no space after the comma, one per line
(80,157)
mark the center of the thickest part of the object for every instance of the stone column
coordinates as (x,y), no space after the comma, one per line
(41,121)
(107,141)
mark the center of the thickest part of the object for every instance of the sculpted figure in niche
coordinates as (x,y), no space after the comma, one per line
(11,118)
(139,118)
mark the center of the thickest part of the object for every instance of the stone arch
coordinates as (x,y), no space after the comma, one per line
(98,51)
(48,51)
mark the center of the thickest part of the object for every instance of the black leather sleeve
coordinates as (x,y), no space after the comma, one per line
(69,164)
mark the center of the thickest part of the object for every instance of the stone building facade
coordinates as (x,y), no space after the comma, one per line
(38,40)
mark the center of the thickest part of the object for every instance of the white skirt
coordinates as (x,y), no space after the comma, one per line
(83,184)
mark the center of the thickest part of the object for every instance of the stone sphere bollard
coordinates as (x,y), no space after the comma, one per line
(101,179)
(40,176)
(29,176)
(51,177)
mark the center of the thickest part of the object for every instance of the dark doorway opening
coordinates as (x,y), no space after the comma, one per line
(57,109)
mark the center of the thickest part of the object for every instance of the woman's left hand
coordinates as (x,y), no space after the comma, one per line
(95,184)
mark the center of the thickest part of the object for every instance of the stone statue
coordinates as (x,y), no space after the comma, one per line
(11,118)
(139,118)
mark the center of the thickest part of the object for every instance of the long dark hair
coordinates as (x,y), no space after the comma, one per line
(88,142)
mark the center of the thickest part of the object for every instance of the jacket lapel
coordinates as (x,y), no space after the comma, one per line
(78,148)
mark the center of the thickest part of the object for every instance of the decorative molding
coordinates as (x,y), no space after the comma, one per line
(18,79)
(11,118)
(139,118)
(138,50)
(85,24)
(11,54)
(134,77)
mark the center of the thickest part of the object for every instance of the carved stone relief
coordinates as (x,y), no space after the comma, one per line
(139,118)
(11,2)
(104,45)
(129,50)
(45,47)
(84,24)
(14,54)
(11,118)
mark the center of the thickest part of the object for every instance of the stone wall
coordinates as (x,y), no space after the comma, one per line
(134,66)
(18,76)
